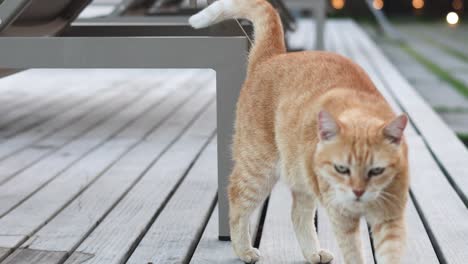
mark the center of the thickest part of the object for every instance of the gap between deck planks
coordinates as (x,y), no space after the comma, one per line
(76,179)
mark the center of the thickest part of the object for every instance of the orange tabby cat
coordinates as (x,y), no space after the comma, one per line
(317,117)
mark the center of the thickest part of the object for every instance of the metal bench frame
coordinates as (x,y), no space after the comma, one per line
(319,10)
(222,48)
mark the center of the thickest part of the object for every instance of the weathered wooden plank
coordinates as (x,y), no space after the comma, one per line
(5,242)
(19,138)
(43,115)
(4,252)
(29,256)
(26,88)
(88,209)
(73,181)
(18,156)
(116,124)
(326,235)
(451,154)
(20,113)
(108,86)
(113,239)
(441,208)
(366,242)
(29,180)
(31,87)
(171,238)
(210,250)
(278,243)
(419,248)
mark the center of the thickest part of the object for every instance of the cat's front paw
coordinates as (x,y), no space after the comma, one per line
(250,255)
(323,256)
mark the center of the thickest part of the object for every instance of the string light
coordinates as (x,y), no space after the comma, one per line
(457,4)
(378,4)
(452,18)
(418,4)
(338,4)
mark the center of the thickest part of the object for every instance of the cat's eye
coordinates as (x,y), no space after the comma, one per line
(376,171)
(342,169)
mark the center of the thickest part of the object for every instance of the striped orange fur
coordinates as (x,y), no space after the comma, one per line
(318,120)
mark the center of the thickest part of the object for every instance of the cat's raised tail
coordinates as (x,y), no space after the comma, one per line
(268,31)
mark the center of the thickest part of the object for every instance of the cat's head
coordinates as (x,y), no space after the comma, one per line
(359,156)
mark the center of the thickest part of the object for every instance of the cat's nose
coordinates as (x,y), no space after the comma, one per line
(358,193)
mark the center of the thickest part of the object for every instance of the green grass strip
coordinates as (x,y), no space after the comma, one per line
(453,52)
(446,48)
(441,73)
(463,137)
(445,109)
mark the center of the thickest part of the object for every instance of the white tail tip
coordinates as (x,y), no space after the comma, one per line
(214,13)
(199,20)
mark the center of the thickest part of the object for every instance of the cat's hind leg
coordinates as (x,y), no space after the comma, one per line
(247,190)
(302,215)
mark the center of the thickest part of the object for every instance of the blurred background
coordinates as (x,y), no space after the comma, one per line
(429,46)
(406,9)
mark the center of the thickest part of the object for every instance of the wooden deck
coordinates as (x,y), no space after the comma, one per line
(118,166)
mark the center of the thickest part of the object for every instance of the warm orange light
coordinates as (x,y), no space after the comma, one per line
(378,4)
(457,4)
(418,4)
(338,4)
(452,18)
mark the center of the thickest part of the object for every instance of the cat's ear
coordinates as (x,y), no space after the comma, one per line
(393,130)
(328,127)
